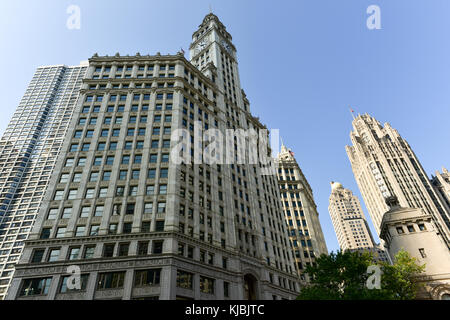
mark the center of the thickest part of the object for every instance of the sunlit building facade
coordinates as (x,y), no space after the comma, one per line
(136,223)
(300,210)
(384,165)
(29,148)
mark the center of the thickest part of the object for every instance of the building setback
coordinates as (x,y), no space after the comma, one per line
(136,223)
(28,151)
(349,222)
(384,165)
(300,210)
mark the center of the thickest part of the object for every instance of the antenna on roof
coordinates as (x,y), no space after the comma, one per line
(352,113)
(210,8)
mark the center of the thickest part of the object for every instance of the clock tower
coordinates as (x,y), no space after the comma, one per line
(213,53)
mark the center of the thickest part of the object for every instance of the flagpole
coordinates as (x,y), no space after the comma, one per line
(352,113)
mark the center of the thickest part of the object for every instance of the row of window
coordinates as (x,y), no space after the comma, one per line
(110,280)
(128,145)
(123,97)
(94,230)
(150,67)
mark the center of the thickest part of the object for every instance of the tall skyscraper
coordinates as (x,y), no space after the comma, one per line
(136,223)
(349,222)
(384,165)
(300,211)
(348,219)
(28,151)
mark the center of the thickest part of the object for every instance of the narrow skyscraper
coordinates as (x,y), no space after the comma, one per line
(384,165)
(136,223)
(300,211)
(349,222)
(28,151)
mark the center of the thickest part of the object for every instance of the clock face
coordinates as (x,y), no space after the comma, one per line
(201,45)
(226,46)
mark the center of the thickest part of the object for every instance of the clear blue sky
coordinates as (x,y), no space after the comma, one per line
(302,64)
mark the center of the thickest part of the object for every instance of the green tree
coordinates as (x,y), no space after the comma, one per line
(343,276)
(399,280)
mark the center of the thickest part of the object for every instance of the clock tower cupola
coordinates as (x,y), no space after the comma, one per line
(212,46)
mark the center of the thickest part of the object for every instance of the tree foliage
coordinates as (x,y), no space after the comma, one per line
(343,276)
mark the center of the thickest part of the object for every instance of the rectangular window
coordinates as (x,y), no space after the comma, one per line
(145,227)
(99,210)
(127,228)
(113,227)
(161,207)
(70,162)
(130,208)
(133,191)
(108,250)
(148,208)
(113,146)
(135,174)
(67,213)
(76,177)
(128,145)
(123,249)
(94,230)
(142,248)
(83,281)
(98,161)
(53,255)
(151,173)
(206,285)
(60,233)
(111,280)
(153,158)
(140,145)
(157,247)
(74,253)
(80,231)
(137,158)
(107,175)
(163,189)
(94,177)
(123,175)
(226,289)
(38,254)
(149,277)
(89,252)
(184,279)
(164,173)
(90,193)
(52,214)
(37,286)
